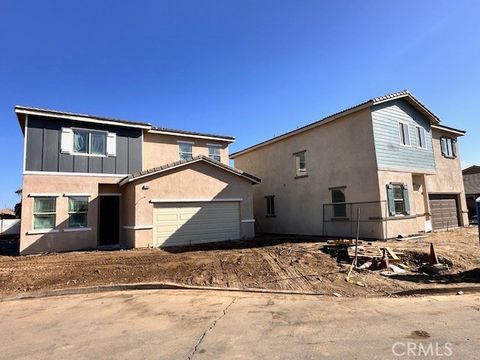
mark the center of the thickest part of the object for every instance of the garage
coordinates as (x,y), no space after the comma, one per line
(444,210)
(191,223)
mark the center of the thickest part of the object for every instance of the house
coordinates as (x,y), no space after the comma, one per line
(390,157)
(7,214)
(471,182)
(94,182)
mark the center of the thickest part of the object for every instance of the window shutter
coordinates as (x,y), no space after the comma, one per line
(406,134)
(66,143)
(112,144)
(406,200)
(391,202)
(454,147)
(443,146)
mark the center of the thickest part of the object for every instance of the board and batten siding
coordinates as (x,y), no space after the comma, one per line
(390,153)
(43,151)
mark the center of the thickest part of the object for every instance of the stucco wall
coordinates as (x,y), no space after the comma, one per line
(449,178)
(339,153)
(62,240)
(196,181)
(161,149)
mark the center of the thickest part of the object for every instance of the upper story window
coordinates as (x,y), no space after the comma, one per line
(449,147)
(44,212)
(214,152)
(404,133)
(301,163)
(89,142)
(185,151)
(421,142)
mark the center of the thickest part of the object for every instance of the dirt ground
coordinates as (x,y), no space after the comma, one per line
(281,263)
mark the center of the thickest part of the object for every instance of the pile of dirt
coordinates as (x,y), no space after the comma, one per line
(277,263)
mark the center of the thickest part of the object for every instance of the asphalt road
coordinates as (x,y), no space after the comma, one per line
(225,325)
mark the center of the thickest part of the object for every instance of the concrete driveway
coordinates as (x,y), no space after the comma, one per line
(226,325)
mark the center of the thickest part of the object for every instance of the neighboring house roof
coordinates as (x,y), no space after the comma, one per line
(471,183)
(177,164)
(6,212)
(405,94)
(25,110)
(474,169)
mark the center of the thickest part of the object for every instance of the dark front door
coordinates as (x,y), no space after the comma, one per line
(109,220)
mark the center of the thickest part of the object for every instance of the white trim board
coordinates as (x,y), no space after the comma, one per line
(77,194)
(77,229)
(81,118)
(25,145)
(43,195)
(248,221)
(138,227)
(155,201)
(42,231)
(57,173)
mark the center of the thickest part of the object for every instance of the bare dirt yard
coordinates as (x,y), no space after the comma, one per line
(278,263)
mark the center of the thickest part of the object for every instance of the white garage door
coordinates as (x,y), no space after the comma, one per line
(194,223)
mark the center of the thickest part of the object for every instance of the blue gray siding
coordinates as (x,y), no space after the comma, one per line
(43,149)
(389,152)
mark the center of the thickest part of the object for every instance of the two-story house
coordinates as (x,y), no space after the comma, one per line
(389,157)
(92,182)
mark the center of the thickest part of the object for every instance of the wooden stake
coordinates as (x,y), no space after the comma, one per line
(356,239)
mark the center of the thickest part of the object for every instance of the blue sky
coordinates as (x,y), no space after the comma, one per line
(252,69)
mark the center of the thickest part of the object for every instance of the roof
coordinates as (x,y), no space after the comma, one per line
(405,94)
(8,212)
(176,164)
(471,183)
(449,129)
(474,169)
(26,110)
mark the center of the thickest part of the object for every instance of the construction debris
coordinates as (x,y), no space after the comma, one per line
(337,295)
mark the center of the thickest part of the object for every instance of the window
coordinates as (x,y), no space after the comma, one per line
(77,211)
(421,143)
(214,152)
(339,206)
(89,142)
(404,135)
(185,151)
(44,212)
(398,202)
(301,164)
(270,205)
(449,147)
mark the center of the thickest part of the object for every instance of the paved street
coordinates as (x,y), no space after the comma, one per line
(227,325)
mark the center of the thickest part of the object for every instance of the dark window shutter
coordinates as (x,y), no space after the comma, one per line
(454,147)
(390,199)
(443,145)
(406,200)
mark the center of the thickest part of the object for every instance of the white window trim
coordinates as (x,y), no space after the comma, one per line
(42,231)
(180,149)
(408,132)
(50,213)
(248,221)
(43,195)
(89,142)
(300,172)
(215,147)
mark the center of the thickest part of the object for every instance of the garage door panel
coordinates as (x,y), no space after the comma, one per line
(194,223)
(444,211)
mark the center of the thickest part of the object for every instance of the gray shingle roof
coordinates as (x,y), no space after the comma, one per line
(159,169)
(472,183)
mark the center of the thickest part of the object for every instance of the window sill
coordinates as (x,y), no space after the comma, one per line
(42,231)
(77,229)
(449,157)
(270,216)
(401,217)
(301,176)
(340,219)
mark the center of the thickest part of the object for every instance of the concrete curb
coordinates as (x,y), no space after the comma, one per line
(148,286)
(439,291)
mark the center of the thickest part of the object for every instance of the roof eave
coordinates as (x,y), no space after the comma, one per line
(195,136)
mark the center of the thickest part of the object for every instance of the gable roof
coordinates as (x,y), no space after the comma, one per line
(181,163)
(405,94)
(21,111)
(474,169)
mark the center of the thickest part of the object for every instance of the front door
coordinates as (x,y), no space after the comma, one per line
(109,221)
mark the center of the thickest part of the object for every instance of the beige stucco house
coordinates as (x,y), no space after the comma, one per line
(96,182)
(390,157)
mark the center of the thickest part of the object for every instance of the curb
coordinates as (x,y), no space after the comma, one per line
(439,291)
(148,286)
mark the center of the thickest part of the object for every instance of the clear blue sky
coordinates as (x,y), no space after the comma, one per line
(252,69)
